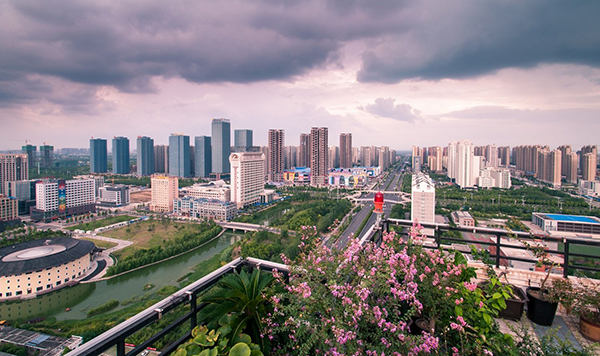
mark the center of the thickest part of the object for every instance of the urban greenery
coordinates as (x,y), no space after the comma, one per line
(110,305)
(30,234)
(92,225)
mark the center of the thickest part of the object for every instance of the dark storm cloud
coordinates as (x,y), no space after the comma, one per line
(460,39)
(126,44)
(387,107)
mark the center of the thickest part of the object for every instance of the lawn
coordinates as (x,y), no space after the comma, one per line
(150,233)
(92,225)
(100,243)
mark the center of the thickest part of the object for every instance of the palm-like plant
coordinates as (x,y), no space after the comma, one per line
(241,293)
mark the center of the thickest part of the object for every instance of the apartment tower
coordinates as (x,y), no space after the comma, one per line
(98,156)
(145,156)
(276,157)
(304,150)
(345,150)
(319,148)
(120,153)
(13,167)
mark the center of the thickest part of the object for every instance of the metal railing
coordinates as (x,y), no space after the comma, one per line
(570,258)
(187,295)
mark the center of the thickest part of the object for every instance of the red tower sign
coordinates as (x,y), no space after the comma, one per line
(378,200)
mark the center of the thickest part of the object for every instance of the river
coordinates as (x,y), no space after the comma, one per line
(85,296)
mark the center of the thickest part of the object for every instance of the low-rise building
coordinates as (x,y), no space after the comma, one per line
(463,218)
(491,177)
(567,223)
(9,208)
(204,208)
(214,190)
(62,198)
(114,195)
(297,176)
(354,177)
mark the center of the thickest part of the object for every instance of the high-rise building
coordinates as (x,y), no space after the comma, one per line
(46,155)
(145,156)
(161,159)
(192,161)
(526,158)
(565,150)
(221,145)
(24,192)
(276,159)
(355,156)
(242,140)
(31,152)
(345,150)
(416,161)
(319,147)
(334,157)
(290,154)
(422,208)
(120,153)
(9,208)
(491,156)
(164,191)
(12,167)
(549,167)
(98,156)
(247,177)
(504,156)
(179,155)
(384,157)
(572,163)
(588,163)
(203,156)
(304,150)
(462,165)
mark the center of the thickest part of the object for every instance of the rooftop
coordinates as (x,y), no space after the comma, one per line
(571,218)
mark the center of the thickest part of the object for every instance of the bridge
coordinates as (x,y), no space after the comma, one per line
(397,192)
(235,226)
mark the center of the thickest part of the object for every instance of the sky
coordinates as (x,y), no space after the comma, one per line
(392,72)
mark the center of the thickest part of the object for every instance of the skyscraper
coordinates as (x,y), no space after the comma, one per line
(319,150)
(549,167)
(120,153)
(276,158)
(247,177)
(304,150)
(565,150)
(13,167)
(588,163)
(333,161)
(46,155)
(221,145)
(491,156)
(31,152)
(98,156)
(179,155)
(145,156)
(203,156)
(242,140)
(462,165)
(345,150)
(504,156)
(572,165)
(161,159)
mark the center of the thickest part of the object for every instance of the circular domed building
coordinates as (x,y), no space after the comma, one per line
(37,266)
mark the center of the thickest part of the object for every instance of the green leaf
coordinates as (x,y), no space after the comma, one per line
(246,339)
(240,349)
(502,303)
(193,349)
(256,353)
(458,310)
(224,330)
(202,341)
(487,319)
(206,352)
(497,295)
(180,352)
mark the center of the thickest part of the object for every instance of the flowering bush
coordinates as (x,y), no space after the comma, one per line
(363,301)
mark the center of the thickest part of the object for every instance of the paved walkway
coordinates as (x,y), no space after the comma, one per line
(104,258)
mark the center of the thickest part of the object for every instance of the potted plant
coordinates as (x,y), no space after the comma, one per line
(586,305)
(543,300)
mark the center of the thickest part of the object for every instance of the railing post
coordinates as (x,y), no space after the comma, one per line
(121,348)
(497,250)
(193,306)
(438,236)
(566,257)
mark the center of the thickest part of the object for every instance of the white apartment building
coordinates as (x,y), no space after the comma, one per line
(494,178)
(214,190)
(98,181)
(247,177)
(114,196)
(204,208)
(423,199)
(58,198)
(164,191)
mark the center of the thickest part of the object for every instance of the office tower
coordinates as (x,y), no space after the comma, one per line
(192,161)
(504,156)
(572,165)
(588,163)
(120,153)
(247,177)
(46,155)
(319,146)
(13,167)
(345,150)
(491,156)
(565,150)
(164,190)
(422,208)
(31,152)
(549,167)
(221,145)
(98,156)
(145,156)
(462,165)
(179,155)
(276,158)
(242,140)
(161,159)
(304,151)
(203,156)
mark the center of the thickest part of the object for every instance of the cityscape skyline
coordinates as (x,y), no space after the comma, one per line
(375,69)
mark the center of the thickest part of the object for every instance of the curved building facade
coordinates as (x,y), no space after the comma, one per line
(38,266)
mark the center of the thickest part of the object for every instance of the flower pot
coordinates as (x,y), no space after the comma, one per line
(589,329)
(514,306)
(540,311)
(420,324)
